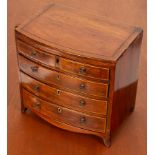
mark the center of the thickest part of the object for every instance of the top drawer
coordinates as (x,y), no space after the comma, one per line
(62,63)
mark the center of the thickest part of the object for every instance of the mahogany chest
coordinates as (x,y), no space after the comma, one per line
(78,71)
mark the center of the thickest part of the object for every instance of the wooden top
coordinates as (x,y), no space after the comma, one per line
(79,32)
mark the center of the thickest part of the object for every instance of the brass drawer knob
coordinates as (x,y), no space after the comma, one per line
(59,110)
(36,88)
(82,86)
(33,53)
(36,105)
(82,70)
(82,119)
(34,68)
(82,102)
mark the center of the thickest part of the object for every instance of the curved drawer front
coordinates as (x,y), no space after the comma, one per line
(63,64)
(64,115)
(84,69)
(66,99)
(36,55)
(63,81)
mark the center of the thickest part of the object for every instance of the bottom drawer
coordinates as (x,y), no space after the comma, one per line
(61,114)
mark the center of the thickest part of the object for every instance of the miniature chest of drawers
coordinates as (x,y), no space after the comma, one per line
(78,71)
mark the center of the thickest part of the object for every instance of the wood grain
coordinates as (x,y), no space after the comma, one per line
(94,89)
(66,99)
(137,121)
(126,80)
(72,24)
(63,64)
(62,114)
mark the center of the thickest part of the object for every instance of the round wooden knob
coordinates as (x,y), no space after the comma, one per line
(36,88)
(82,86)
(82,102)
(34,68)
(33,53)
(82,70)
(82,119)
(59,110)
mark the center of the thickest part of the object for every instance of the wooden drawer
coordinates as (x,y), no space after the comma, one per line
(36,55)
(64,115)
(63,81)
(66,99)
(84,69)
(63,64)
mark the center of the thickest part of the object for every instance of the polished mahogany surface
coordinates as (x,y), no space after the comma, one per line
(54,61)
(97,90)
(36,55)
(77,102)
(136,120)
(81,28)
(127,52)
(125,88)
(64,115)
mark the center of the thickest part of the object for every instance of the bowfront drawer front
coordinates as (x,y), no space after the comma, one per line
(64,115)
(84,69)
(63,81)
(36,55)
(66,99)
(63,64)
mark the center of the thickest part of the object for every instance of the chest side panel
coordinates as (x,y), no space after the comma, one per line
(126,80)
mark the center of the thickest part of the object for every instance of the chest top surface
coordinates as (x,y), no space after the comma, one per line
(79,32)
